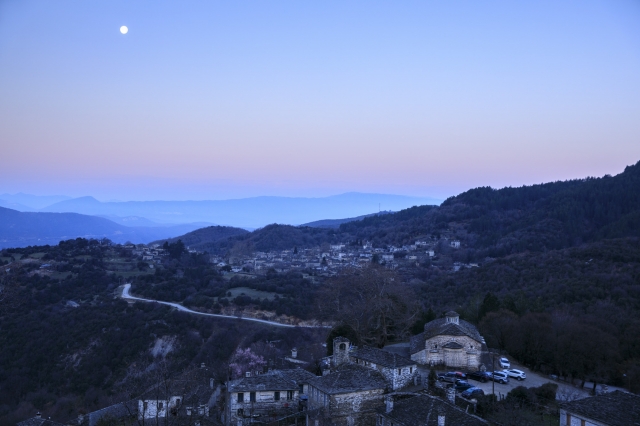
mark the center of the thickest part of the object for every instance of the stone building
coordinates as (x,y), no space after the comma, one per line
(399,371)
(611,409)
(425,410)
(348,396)
(266,397)
(449,341)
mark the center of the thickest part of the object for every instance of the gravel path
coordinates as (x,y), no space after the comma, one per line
(125,295)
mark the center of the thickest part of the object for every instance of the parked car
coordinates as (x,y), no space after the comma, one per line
(452,376)
(504,363)
(500,377)
(516,374)
(481,376)
(472,393)
(462,385)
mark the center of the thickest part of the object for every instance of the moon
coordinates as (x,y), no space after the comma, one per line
(124,29)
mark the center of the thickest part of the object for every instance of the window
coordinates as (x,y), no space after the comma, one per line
(145,405)
(410,370)
(177,402)
(252,397)
(289,395)
(160,405)
(276,395)
(240,412)
(568,419)
(399,371)
(240,397)
(301,388)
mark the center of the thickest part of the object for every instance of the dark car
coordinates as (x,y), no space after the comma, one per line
(480,376)
(462,385)
(472,393)
(452,376)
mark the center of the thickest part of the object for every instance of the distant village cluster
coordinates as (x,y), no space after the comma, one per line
(322,261)
(331,260)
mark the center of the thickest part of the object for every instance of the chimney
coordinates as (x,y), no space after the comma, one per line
(247,374)
(38,415)
(211,383)
(440,419)
(202,365)
(294,353)
(389,404)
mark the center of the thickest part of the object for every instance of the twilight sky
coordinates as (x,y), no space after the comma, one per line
(213,100)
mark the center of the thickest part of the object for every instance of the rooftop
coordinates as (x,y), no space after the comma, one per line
(423,410)
(298,375)
(39,421)
(350,378)
(265,382)
(440,327)
(614,409)
(381,357)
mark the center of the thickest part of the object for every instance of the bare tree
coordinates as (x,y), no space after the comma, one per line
(373,301)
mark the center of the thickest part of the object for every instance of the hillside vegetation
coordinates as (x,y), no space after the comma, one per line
(557,287)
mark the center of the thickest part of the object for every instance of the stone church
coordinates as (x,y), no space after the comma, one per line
(449,341)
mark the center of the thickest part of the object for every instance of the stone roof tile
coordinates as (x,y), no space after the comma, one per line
(440,327)
(423,410)
(265,382)
(614,409)
(381,357)
(349,378)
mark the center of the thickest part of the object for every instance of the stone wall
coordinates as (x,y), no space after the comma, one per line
(399,377)
(569,419)
(347,409)
(265,405)
(466,358)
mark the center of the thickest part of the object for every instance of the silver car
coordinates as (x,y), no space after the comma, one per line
(516,374)
(500,377)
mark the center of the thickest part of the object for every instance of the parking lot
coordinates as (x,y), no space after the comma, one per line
(566,391)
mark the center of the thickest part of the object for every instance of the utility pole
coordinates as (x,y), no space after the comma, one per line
(493,378)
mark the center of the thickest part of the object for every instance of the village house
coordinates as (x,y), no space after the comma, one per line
(449,341)
(266,397)
(611,409)
(424,410)
(348,396)
(190,396)
(397,370)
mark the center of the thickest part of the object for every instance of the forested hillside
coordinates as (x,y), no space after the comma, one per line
(489,222)
(69,345)
(555,283)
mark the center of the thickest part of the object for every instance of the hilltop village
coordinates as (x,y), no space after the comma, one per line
(328,260)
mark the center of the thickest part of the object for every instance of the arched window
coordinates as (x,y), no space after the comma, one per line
(343,346)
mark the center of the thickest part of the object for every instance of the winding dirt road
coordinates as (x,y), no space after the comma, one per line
(125,295)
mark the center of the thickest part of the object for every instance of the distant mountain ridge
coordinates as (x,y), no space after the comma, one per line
(21,229)
(31,202)
(489,222)
(335,223)
(246,212)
